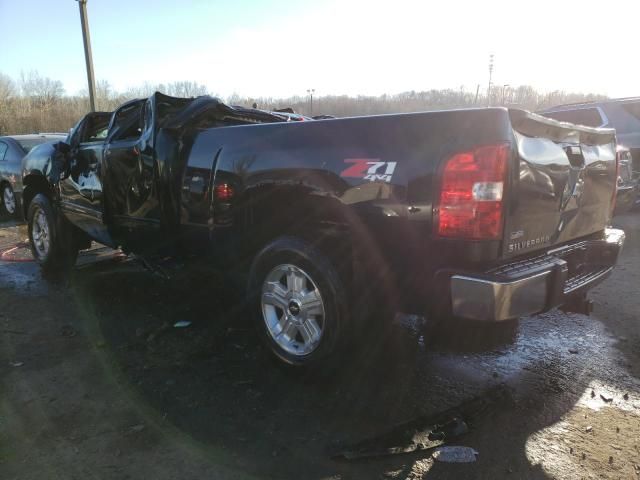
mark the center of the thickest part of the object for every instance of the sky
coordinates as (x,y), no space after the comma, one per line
(279,48)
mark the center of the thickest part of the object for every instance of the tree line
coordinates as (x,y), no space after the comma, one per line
(36,103)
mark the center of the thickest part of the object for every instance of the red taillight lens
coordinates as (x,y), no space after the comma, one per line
(224,192)
(471,194)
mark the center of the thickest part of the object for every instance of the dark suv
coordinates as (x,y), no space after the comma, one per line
(623,114)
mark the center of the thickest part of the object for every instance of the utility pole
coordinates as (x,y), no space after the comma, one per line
(87,53)
(311,91)
(475,102)
(490,75)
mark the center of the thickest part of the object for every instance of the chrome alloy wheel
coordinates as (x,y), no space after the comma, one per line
(9,200)
(292,309)
(41,233)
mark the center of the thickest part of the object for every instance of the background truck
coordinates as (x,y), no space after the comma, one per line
(482,214)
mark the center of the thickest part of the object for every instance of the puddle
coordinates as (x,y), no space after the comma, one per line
(24,278)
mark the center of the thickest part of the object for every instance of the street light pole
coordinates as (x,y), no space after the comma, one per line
(490,75)
(311,91)
(87,53)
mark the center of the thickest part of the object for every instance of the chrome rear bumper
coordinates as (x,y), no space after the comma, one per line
(535,285)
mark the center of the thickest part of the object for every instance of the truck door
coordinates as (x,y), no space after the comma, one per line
(131,176)
(81,192)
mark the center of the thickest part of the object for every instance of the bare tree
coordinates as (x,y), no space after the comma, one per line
(185,88)
(42,91)
(7,87)
(37,103)
(7,94)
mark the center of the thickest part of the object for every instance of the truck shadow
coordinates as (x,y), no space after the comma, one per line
(213,380)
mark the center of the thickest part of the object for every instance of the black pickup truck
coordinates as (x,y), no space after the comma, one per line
(480,214)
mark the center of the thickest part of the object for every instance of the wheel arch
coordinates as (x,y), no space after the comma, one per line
(318,220)
(347,233)
(31,186)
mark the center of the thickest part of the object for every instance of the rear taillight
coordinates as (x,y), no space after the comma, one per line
(471,194)
(223,192)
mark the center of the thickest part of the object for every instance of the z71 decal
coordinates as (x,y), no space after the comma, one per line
(371,169)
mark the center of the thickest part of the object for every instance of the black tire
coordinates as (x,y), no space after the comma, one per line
(62,252)
(11,210)
(323,274)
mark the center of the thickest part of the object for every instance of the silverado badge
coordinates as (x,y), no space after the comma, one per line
(524,244)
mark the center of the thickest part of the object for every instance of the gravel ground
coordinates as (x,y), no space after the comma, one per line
(97,383)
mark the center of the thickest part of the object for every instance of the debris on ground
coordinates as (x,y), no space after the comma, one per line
(136,428)
(593,394)
(182,324)
(242,382)
(606,399)
(626,396)
(158,331)
(455,454)
(16,364)
(19,332)
(427,432)
(153,267)
(588,429)
(573,350)
(20,252)
(67,331)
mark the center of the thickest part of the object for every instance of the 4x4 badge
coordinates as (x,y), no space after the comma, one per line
(371,169)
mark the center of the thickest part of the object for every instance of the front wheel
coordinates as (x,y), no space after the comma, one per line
(300,302)
(50,236)
(9,203)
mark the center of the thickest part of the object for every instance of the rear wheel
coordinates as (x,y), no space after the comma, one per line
(9,203)
(50,236)
(300,302)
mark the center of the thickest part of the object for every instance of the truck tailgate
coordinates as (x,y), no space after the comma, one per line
(562,186)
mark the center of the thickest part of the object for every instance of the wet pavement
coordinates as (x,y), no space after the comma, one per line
(99,383)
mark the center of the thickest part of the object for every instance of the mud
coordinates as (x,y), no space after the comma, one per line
(96,383)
